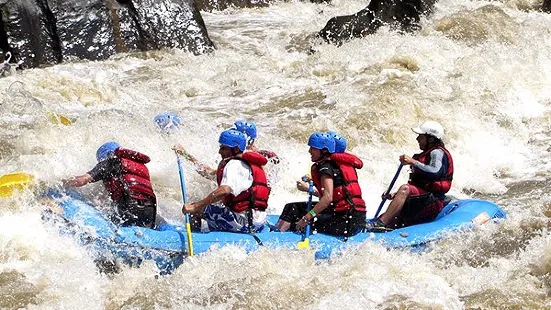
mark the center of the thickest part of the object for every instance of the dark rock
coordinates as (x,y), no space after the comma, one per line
(152,24)
(51,31)
(27,37)
(81,29)
(343,28)
(403,15)
(546,6)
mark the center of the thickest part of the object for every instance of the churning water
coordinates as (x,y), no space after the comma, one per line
(482,69)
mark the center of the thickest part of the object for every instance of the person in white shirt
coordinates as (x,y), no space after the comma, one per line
(248,128)
(242,189)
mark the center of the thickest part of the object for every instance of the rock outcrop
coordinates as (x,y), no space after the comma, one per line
(403,15)
(546,6)
(38,32)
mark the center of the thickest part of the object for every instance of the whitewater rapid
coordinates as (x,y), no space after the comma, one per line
(480,68)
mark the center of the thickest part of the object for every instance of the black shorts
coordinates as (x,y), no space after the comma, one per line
(419,209)
(138,213)
(327,222)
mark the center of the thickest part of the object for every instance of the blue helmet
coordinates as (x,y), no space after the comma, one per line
(167,121)
(106,149)
(340,141)
(233,138)
(322,140)
(246,127)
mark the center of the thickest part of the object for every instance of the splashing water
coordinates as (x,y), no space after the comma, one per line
(478,68)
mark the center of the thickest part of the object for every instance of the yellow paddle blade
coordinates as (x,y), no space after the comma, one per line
(65,120)
(59,119)
(189,241)
(15,181)
(304,244)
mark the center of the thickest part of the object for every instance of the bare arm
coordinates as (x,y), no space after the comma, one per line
(206,171)
(323,203)
(215,196)
(77,181)
(304,187)
(203,170)
(327,195)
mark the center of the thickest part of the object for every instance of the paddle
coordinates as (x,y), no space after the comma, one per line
(15,181)
(183,187)
(387,192)
(59,119)
(305,243)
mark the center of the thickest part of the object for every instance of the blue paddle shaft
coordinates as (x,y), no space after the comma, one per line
(182,184)
(182,180)
(388,191)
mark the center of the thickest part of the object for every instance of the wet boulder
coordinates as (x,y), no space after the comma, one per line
(38,32)
(402,15)
(546,6)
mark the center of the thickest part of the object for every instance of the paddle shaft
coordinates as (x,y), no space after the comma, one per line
(308,208)
(184,198)
(388,191)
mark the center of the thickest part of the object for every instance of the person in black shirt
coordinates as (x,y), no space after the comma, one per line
(340,210)
(127,180)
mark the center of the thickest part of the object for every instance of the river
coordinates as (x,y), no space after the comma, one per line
(480,68)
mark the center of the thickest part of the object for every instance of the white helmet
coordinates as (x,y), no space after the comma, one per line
(430,128)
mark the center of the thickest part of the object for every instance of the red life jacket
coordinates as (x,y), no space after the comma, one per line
(256,197)
(349,194)
(437,186)
(134,181)
(270,156)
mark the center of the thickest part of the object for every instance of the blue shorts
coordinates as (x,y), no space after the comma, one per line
(220,218)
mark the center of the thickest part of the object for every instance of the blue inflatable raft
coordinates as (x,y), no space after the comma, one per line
(167,244)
